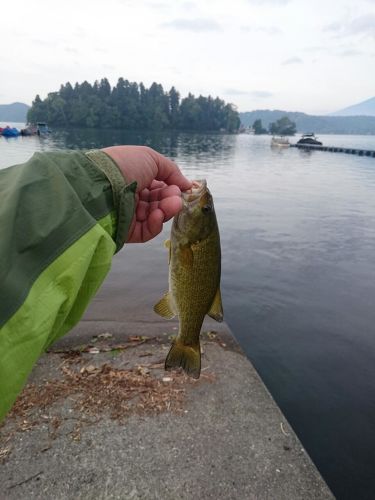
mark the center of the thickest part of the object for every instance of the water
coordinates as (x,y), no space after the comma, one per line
(298,240)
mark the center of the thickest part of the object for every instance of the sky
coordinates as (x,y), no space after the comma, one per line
(296,55)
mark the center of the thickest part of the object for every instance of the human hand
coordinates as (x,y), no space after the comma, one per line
(159,186)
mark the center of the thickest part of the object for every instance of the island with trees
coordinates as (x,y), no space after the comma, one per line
(283,126)
(130,105)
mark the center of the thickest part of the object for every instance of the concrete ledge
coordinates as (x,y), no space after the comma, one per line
(230,441)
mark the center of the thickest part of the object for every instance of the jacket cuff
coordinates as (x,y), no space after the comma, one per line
(123,194)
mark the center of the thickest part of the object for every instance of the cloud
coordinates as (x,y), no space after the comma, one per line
(44,43)
(341,51)
(189,5)
(363,25)
(316,48)
(269,2)
(261,93)
(158,5)
(195,25)
(269,30)
(333,27)
(101,50)
(235,92)
(108,67)
(292,60)
(253,93)
(350,53)
(71,50)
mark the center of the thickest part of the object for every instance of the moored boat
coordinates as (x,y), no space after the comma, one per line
(29,130)
(10,132)
(309,139)
(42,128)
(280,142)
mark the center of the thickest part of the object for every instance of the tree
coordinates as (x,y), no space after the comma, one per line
(233,119)
(38,111)
(174,107)
(190,113)
(104,88)
(283,126)
(258,128)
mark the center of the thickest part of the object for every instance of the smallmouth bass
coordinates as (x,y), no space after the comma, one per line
(194,277)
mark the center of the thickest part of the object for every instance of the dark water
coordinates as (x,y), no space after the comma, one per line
(298,241)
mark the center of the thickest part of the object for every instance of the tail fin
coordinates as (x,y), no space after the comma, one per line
(186,356)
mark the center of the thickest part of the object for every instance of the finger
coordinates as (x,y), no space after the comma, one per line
(153,205)
(135,234)
(142,210)
(157,184)
(159,194)
(169,172)
(170,206)
(144,195)
(153,225)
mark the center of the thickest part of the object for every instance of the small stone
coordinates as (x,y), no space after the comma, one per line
(93,350)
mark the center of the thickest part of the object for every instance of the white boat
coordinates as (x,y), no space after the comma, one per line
(280,142)
(246,130)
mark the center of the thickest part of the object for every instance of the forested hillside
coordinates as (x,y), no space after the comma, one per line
(311,123)
(15,112)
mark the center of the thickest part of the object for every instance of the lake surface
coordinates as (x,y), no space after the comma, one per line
(298,244)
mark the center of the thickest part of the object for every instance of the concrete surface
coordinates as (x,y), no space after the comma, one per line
(229,441)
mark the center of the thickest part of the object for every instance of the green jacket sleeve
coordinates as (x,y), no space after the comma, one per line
(63,215)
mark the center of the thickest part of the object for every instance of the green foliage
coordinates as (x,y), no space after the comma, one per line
(130,105)
(283,126)
(258,128)
(311,123)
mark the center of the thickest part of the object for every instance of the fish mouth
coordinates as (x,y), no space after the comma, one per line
(195,193)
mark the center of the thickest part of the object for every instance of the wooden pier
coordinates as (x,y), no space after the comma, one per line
(335,149)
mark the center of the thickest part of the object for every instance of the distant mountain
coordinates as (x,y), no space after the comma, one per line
(311,123)
(364,108)
(15,112)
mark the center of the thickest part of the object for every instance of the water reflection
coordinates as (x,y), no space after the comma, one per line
(94,138)
(202,149)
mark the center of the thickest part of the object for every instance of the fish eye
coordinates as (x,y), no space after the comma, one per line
(206,209)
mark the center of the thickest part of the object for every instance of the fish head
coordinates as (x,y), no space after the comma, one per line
(197,218)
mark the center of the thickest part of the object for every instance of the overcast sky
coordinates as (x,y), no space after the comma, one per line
(297,55)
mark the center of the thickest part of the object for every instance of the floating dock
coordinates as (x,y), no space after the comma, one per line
(336,149)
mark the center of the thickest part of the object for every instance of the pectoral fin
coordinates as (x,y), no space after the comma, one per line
(186,256)
(164,307)
(216,309)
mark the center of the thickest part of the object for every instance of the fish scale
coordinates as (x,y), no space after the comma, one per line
(194,277)
(194,285)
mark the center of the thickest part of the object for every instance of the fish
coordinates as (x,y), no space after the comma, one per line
(194,276)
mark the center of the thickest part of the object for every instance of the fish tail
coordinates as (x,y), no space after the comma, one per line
(186,356)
